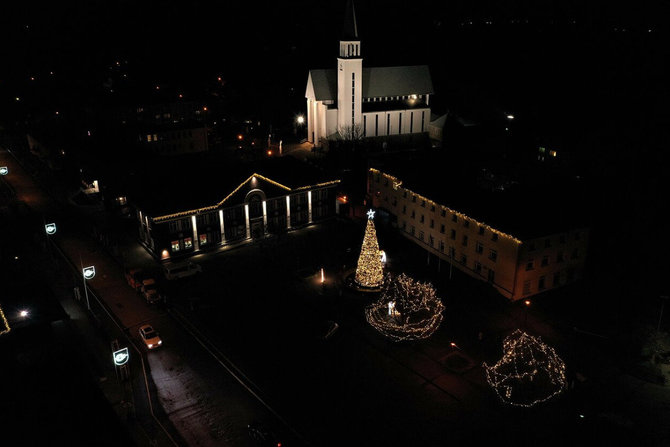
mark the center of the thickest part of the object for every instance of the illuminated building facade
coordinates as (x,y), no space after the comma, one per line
(256,207)
(353,102)
(517,267)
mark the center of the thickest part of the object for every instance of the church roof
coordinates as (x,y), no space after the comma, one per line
(377,82)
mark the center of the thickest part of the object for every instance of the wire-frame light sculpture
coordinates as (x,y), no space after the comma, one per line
(529,372)
(406,309)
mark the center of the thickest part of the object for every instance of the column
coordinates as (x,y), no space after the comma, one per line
(309,205)
(288,212)
(265,218)
(196,242)
(246,218)
(223,234)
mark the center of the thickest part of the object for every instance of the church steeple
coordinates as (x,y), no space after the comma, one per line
(349,76)
(350,45)
(350,30)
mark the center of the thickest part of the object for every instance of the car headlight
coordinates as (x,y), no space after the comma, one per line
(150,345)
(160,342)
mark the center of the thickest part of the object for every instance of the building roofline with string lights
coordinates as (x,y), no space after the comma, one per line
(514,265)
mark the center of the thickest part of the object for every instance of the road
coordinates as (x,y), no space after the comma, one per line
(182,394)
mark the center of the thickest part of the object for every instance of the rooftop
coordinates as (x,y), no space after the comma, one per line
(192,181)
(523,201)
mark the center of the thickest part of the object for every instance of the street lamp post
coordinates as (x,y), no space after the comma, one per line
(87,273)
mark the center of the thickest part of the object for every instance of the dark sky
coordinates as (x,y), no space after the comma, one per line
(266,48)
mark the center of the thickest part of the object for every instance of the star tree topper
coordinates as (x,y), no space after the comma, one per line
(371,214)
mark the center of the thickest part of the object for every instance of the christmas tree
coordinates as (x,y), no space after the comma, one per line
(369,270)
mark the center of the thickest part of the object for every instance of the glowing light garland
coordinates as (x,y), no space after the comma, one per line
(218,205)
(369,271)
(529,372)
(406,310)
(398,183)
(5,323)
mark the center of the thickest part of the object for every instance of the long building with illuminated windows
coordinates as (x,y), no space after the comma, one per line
(522,244)
(229,205)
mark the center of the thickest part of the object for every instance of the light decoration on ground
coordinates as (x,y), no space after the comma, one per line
(529,372)
(369,272)
(406,310)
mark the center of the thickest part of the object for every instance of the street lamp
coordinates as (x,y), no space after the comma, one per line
(87,273)
(24,313)
(525,318)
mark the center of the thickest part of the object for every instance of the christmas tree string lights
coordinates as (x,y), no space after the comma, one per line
(406,310)
(529,372)
(369,271)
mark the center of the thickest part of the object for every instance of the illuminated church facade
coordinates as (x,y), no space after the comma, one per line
(352,102)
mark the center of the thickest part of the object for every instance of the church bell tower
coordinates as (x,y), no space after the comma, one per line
(349,77)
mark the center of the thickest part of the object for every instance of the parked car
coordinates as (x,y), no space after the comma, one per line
(150,337)
(149,291)
(181,269)
(134,277)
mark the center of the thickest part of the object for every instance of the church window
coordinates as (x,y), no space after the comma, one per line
(423,115)
(399,123)
(365,123)
(411,121)
(376,125)
(388,124)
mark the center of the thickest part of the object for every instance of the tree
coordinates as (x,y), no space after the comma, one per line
(369,272)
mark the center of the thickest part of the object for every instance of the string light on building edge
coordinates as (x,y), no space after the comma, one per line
(406,310)
(529,372)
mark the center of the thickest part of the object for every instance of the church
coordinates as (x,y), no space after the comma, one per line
(352,102)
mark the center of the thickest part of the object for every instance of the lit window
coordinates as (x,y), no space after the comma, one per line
(203,239)
(148,137)
(188,242)
(175,245)
(155,137)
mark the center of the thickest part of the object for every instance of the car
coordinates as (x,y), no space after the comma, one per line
(134,277)
(181,269)
(150,292)
(150,337)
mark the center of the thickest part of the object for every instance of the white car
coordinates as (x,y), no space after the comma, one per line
(150,337)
